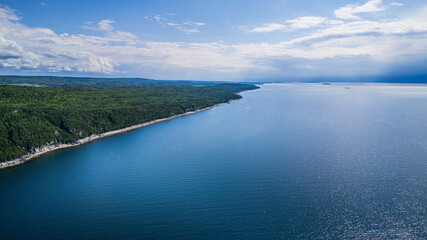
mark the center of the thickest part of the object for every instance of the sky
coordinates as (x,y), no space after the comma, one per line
(214,40)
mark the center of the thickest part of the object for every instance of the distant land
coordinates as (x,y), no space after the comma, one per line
(410,79)
(101,81)
(95,81)
(45,113)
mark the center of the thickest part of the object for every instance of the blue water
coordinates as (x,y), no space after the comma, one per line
(290,161)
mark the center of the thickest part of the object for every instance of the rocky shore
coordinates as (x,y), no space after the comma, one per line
(38,151)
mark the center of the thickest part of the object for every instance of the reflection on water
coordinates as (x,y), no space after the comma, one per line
(289,161)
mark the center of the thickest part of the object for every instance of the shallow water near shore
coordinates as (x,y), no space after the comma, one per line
(288,161)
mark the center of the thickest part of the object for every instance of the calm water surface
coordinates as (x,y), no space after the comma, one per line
(290,161)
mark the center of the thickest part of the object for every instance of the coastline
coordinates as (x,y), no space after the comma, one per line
(39,151)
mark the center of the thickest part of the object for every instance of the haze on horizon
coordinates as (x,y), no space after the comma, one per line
(214,40)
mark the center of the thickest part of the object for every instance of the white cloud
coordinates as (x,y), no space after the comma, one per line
(106,25)
(24,47)
(8,14)
(199,24)
(268,27)
(397,4)
(110,34)
(295,24)
(306,22)
(103,25)
(383,42)
(188,26)
(41,49)
(310,22)
(351,11)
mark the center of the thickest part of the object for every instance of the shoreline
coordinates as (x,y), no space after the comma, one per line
(39,151)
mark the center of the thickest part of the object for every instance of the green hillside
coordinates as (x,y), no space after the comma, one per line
(34,116)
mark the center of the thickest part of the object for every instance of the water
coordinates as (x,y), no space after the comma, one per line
(293,161)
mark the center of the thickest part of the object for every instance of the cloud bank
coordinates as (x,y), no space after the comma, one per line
(353,37)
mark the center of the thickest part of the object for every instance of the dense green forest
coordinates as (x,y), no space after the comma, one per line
(34,116)
(60,81)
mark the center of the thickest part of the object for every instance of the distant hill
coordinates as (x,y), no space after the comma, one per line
(415,79)
(59,81)
(399,79)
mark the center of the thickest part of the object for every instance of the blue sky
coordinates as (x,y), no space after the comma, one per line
(214,40)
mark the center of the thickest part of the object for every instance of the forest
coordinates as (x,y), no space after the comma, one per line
(85,81)
(35,116)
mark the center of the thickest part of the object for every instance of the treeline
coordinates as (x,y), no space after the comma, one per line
(35,116)
(84,81)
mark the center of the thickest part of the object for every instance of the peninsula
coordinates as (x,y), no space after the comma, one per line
(38,119)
